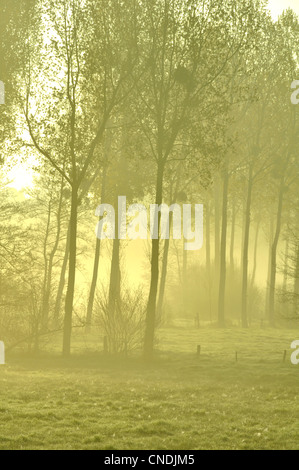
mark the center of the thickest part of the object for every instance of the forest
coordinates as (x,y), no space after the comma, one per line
(165,103)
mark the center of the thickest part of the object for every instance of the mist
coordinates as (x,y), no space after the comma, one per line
(149,211)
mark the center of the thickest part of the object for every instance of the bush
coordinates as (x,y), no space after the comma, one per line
(122,323)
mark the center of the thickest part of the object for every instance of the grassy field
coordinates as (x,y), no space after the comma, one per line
(179,402)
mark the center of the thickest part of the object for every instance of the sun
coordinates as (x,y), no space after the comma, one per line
(20,177)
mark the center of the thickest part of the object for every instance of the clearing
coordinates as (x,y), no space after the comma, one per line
(179,402)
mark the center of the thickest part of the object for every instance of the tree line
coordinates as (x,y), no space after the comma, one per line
(161,100)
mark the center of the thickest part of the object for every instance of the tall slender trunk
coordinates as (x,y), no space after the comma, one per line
(272,285)
(245,251)
(61,284)
(255,253)
(232,239)
(44,316)
(114,286)
(217,226)
(162,285)
(271,236)
(222,281)
(151,306)
(208,255)
(163,279)
(96,261)
(185,261)
(243,232)
(184,277)
(208,240)
(177,254)
(286,260)
(164,271)
(51,258)
(69,301)
(93,284)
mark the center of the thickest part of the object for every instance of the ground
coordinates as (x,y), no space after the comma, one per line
(179,402)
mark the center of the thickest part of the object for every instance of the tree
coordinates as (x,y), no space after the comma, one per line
(89,47)
(180,57)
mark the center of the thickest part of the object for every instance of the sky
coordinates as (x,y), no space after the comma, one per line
(277,6)
(20,177)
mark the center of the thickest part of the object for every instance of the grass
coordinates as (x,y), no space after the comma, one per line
(179,402)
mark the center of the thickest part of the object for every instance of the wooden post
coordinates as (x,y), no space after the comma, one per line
(284,356)
(2,353)
(198,350)
(236,356)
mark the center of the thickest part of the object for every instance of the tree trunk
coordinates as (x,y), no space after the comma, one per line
(96,261)
(208,240)
(184,278)
(62,279)
(272,285)
(51,258)
(243,232)
(255,253)
(296,283)
(285,272)
(151,306)
(208,255)
(93,284)
(44,312)
(114,286)
(217,227)
(69,301)
(245,252)
(232,238)
(269,265)
(222,282)
(164,272)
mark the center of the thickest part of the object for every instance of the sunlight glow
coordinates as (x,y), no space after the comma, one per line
(20,177)
(278,6)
